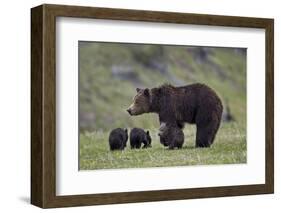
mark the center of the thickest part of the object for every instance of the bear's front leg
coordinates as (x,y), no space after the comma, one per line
(171,143)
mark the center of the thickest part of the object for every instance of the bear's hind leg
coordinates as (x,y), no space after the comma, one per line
(132,145)
(179,146)
(205,135)
(138,144)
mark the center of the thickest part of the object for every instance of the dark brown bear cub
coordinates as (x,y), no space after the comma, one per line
(171,136)
(118,139)
(195,104)
(138,137)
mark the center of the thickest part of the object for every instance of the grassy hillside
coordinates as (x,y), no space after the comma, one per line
(110,72)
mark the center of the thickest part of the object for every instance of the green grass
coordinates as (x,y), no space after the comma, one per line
(229,148)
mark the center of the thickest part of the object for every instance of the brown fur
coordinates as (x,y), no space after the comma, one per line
(118,139)
(195,104)
(171,136)
(138,137)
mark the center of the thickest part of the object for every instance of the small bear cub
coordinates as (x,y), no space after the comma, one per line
(139,136)
(118,139)
(171,136)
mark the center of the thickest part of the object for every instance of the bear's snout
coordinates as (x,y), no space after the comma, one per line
(129,111)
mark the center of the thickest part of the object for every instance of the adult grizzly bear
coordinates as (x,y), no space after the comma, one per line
(195,104)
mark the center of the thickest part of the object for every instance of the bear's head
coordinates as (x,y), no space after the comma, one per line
(163,140)
(163,131)
(163,127)
(141,102)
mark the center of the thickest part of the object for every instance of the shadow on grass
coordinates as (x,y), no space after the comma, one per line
(189,147)
(183,148)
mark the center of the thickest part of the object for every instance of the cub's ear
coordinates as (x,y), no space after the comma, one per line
(147,132)
(126,130)
(146,92)
(138,89)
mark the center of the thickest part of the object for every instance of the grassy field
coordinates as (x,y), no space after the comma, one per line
(229,148)
(109,74)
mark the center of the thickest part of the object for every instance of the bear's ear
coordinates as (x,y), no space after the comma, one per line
(126,130)
(147,132)
(138,89)
(146,92)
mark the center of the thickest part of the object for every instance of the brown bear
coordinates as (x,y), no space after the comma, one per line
(118,139)
(171,136)
(138,137)
(195,104)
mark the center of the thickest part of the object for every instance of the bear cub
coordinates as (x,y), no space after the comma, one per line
(138,137)
(118,139)
(171,136)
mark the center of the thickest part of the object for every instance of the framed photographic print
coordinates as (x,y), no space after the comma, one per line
(136,106)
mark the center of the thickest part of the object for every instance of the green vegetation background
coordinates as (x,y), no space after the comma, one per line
(108,76)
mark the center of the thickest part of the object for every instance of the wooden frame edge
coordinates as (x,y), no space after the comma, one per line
(36,106)
(153,196)
(43,189)
(269,138)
